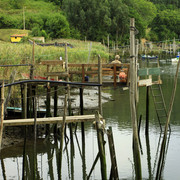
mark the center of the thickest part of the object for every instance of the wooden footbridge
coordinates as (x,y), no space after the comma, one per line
(90,72)
(50,120)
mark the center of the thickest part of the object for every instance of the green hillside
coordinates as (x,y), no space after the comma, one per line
(93,19)
(6,33)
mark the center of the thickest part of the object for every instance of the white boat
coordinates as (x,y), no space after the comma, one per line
(148,57)
(175,60)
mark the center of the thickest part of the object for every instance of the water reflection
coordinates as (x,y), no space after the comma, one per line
(80,152)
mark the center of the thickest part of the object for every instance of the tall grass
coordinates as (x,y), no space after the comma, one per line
(21,53)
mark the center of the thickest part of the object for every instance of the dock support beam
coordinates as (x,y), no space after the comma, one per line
(114,169)
(2,114)
(100,137)
(136,147)
(100,82)
(147,111)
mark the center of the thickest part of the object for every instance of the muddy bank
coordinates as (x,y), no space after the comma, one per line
(14,135)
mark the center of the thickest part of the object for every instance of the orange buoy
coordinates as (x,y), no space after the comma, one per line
(122,76)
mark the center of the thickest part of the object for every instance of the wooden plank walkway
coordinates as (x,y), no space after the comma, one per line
(50,120)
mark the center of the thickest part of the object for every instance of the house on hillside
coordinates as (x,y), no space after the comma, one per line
(17,37)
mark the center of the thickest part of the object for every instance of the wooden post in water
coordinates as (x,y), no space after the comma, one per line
(55,106)
(114,169)
(174,46)
(24,116)
(101,147)
(100,82)
(82,112)
(24,101)
(147,111)
(136,149)
(48,107)
(136,69)
(83,73)
(62,132)
(67,79)
(35,137)
(32,63)
(2,113)
(163,145)
(114,70)
(108,42)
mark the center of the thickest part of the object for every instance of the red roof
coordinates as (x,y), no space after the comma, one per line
(18,35)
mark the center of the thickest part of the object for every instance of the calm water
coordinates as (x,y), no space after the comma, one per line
(117,114)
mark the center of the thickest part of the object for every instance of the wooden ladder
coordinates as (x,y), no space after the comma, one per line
(159,103)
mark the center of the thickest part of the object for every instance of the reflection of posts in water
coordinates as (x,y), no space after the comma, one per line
(164,156)
(48,107)
(55,108)
(156,157)
(57,160)
(147,111)
(35,137)
(139,127)
(62,132)
(164,142)
(50,158)
(25,129)
(3,168)
(148,156)
(81,109)
(83,134)
(161,164)
(83,159)
(72,152)
(67,153)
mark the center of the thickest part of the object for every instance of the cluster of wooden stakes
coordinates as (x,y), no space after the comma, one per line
(29,107)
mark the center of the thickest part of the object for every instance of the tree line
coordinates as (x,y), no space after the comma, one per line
(96,20)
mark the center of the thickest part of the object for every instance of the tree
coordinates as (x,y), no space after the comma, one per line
(166,25)
(90,17)
(120,20)
(143,11)
(57,26)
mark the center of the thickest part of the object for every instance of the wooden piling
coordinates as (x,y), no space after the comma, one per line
(114,70)
(82,112)
(35,138)
(32,63)
(24,101)
(24,115)
(48,107)
(62,132)
(174,46)
(83,73)
(101,147)
(147,111)
(136,148)
(55,106)
(3,169)
(163,145)
(114,174)
(136,69)
(100,87)
(2,113)
(148,156)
